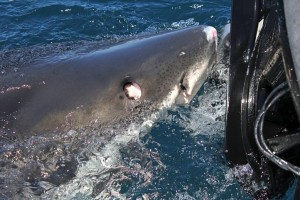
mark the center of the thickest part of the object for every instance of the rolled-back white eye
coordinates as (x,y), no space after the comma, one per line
(132,91)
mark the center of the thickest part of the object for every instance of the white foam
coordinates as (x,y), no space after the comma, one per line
(101,162)
(184,23)
(183,196)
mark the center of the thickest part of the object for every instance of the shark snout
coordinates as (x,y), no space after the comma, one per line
(211,33)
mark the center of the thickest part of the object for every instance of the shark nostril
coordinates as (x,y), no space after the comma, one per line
(182,87)
(132,90)
(181,83)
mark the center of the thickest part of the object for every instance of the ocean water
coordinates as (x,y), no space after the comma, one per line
(26,23)
(179,155)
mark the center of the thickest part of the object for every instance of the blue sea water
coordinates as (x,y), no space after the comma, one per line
(187,142)
(26,23)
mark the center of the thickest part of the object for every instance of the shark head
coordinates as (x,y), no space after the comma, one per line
(170,68)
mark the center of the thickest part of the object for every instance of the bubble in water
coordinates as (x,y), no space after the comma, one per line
(196,6)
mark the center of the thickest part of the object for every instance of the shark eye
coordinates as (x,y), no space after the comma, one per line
(132,90)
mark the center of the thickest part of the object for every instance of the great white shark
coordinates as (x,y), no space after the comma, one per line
(88,89)
(51,109)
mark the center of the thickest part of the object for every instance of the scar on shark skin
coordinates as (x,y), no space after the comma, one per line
(132,90)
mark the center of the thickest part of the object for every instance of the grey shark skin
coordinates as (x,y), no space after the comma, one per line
(88,89)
